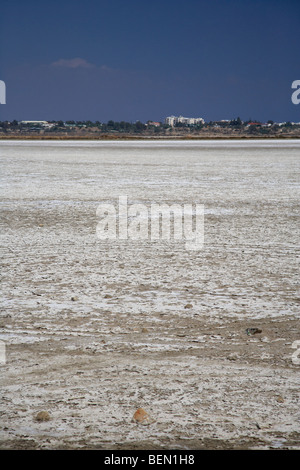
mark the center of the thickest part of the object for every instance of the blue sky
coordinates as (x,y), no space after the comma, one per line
(138,60)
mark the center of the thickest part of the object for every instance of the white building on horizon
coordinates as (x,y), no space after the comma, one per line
(173,120)
(38,123)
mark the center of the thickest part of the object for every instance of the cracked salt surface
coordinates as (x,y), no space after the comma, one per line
(126,339)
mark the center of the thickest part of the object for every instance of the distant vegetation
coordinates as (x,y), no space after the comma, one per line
(96,129)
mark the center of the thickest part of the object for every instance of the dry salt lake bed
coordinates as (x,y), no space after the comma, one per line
(92,330)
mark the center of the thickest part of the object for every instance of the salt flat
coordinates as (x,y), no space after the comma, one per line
(94,329)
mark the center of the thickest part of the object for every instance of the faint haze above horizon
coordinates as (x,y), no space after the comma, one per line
(129,61)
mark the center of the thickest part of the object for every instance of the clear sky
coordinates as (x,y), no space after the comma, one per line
(147,59)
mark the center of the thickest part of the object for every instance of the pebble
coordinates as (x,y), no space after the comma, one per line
(233,356)
(252,331)
(42,416)
(142,417)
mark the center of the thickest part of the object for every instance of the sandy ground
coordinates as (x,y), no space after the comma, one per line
(95,329)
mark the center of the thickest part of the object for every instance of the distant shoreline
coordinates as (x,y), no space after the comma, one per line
(148,138)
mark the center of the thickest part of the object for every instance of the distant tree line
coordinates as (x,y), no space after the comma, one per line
(253,126)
